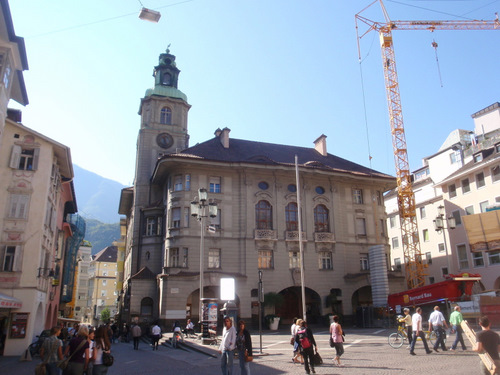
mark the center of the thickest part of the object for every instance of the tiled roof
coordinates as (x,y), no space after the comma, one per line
(243,151)
(144,274)
(108,254)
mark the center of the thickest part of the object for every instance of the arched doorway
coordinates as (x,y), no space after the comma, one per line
(292,306)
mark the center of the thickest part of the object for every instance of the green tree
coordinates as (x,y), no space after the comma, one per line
(105,315)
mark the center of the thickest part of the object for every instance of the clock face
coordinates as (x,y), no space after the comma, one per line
(164,140)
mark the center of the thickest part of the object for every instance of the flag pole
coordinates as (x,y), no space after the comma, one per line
(301,247)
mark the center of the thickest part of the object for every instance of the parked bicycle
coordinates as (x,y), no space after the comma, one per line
(397,339)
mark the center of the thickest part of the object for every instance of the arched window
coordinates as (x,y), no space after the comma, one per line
(147,306)
(166,116)
(292,217)
(263,215)
(321,222)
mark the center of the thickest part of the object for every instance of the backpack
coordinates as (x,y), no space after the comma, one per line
(303,339)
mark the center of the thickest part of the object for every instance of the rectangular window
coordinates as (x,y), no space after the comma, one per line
(465,186)
(455,157)
(469,210)
(431,279)
(104,282)
(265,259)
(383,231)
(178,183)
(186,217)
(187,185)
(397,264)
(478,158)
(452,190)
(214,185)
(325,260)
(18,206)
(150,226)
(495,173)
(357,196)
(392,221)
(26,160)
(422,212)
(294,259)
(441,248)
(361,226)
(103,293)
(463,262)
(8,259)
(480,180)
(395,242)
(444,271)
(173,257)
(380,201)
(478,259)
(185,257)
(214,258)
(483,205)
(428,257)
(425,235)
(494,257)
(364,265)
(176,217)
(458,218)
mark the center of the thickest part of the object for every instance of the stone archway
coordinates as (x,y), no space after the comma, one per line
(292,306)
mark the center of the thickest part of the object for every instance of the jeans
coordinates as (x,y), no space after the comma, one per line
(421,334)
(99,370)
(409,333)
(459,338)
(226,362)
(440,335)
(244,366)
(52,368)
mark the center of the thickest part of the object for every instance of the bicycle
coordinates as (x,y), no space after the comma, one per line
(397,339)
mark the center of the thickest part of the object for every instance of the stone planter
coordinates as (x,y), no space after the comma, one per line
(273,325)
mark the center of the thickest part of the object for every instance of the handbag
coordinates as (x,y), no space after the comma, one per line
(292,340)
(332,344)
(107,359)
(40,369)
(317,360)
(248,358)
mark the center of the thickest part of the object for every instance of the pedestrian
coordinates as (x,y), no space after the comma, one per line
(102,345)
(176,329)
(227,345)
(136,335)
(456,319)
(487,341)
(78,350)
(189,330)
(297,357)
(336,333)
(407,322)
(90,340)
(436,322)
(416,323)
(306,342)
(155,334)
(244,346)
(51,351)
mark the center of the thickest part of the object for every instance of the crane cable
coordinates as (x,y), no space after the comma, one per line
(435,45)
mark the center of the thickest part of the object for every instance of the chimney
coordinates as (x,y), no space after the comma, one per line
(223,136)
(320,145)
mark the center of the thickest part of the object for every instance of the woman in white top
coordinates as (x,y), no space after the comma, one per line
(101,344)
(297,356)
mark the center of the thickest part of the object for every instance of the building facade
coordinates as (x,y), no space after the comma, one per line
(256,229)
(462,178)
(82,304)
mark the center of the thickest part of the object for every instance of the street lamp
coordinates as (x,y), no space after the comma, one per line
(200,210)
(439,227)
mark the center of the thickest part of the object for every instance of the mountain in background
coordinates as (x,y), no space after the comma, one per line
(97,199)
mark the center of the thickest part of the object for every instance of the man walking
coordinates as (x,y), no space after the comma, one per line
(136,335)
(417,331)
(456,319)
(487,341)
(227,346)
(436,322)
(156,332)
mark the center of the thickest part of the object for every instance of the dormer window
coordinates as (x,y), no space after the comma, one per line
(478,158)
(497,147)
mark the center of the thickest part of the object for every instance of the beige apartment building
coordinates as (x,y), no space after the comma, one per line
(102,283)
(82,304)
(463,177)
(256,228)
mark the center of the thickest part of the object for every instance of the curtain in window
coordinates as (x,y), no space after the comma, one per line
(263,215)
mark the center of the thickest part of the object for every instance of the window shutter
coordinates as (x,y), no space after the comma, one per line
(36,155)
(15,156)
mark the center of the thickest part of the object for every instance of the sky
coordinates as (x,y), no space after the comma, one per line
(277,71)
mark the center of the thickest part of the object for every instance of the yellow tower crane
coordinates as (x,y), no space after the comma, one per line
(415,275)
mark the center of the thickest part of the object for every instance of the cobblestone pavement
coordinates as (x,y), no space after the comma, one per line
(366,352)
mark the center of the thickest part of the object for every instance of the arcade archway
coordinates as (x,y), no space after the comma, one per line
(292,306)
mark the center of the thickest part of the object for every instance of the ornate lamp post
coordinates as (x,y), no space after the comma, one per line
(201,209)
(440,227)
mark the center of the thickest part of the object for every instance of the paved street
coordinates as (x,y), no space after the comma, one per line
(366,352)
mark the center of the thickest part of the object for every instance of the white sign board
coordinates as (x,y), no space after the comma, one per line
(227,289)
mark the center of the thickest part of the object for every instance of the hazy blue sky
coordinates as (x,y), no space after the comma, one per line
(278,71)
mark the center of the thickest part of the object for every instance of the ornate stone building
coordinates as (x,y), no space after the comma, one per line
(254,187)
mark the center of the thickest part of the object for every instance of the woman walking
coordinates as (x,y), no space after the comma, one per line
(297,357)
(78,351)
(102,345)
(305,339)
(338,341)
(244,346)
(51,352)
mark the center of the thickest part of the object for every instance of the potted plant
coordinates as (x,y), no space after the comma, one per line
(271,302)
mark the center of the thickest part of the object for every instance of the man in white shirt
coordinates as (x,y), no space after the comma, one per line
(227,345)
(436,322)
(155,333)
(416,323)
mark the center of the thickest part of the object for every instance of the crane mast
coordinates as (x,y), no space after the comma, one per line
(414,267)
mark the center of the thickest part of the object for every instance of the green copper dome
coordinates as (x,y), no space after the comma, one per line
(167,91)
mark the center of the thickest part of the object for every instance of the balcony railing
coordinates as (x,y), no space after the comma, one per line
(293,235)
(324,237)
(265,234)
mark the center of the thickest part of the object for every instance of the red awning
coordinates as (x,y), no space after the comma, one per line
(9,302)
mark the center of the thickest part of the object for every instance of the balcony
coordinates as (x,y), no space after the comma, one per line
(293,235)
(324,237)
(265,234)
